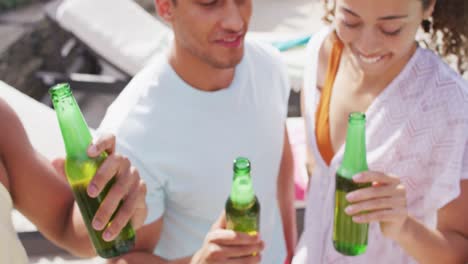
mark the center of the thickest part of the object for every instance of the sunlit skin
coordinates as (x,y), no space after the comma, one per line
(40,191)
(213,47)
(379,39)
(379,36)
(219,40)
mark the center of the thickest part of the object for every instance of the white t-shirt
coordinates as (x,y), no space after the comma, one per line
(417,129)
(11,249)
(183,141)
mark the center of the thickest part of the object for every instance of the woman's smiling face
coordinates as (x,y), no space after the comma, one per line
(379,34)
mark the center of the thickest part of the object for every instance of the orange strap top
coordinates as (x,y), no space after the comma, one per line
(322,125)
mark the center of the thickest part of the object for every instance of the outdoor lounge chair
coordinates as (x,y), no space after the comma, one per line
(117,32)
(125,36)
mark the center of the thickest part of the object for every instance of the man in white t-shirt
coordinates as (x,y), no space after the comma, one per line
(183,120)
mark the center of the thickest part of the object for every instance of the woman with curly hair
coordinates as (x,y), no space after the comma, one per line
(368,60)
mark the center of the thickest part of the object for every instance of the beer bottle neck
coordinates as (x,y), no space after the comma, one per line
(75,131)
(355,158)
(242,193)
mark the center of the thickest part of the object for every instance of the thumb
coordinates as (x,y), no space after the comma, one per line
(59,166)
(221,222)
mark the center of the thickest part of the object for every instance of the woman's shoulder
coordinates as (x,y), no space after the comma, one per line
(445,89)
(319,49)
(324,57)
(431,66)
(320,44)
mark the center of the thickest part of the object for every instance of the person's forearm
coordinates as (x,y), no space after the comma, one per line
(288,215)
(432,246)
(286,197)
(68,230)
(75,238)
(146,258)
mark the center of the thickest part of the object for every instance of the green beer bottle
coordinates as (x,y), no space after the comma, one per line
(80,169)
(350,238)
(242,206)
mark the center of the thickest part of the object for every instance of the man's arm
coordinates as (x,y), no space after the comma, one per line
(286,196)
(147,240)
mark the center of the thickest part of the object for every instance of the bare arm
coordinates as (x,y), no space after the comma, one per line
(37,190)
(286,196)
(310,163)
(43,195)
(447,244)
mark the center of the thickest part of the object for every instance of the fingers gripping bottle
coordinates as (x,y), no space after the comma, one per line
(80,169)
(350,238)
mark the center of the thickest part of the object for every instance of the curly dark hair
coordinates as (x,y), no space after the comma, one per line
(447,29)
